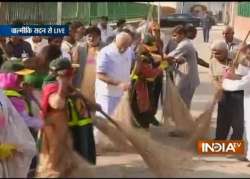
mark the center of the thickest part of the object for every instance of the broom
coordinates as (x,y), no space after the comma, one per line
(80,168)
(162,160)
(236,60)
(114,135)
(175,108)
(72,165)
(110,131)
(203,122)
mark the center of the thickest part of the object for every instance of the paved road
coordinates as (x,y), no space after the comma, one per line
(132,165)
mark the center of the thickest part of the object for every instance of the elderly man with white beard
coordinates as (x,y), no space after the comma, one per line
(113,67)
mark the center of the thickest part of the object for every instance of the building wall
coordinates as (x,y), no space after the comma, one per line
(240,20)
(241,27)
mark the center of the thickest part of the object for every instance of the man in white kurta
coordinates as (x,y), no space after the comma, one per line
(236,84)
(106,30)
(37,43)
(187,76)
(113,67)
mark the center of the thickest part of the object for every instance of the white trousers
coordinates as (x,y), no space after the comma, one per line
(108,104)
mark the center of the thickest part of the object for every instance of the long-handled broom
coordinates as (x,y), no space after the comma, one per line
(203,123)
(175,108)
(236,60)
(165,161)
(120,142)
(204,120)
(115,136)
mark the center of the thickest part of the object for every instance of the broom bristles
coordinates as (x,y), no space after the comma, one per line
(114,135)
(71,165)
(88,82)
(123,112)
(81,168)
(203,122)
(162,160)
(57,157)
(175,108)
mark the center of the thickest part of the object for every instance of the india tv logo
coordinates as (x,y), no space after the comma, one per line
(220,147)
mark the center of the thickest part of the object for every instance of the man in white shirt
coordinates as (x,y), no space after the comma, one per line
(106,30)
(37,43)
(236,83)
(69,43)
(113,66)
(80,35)
(113,72)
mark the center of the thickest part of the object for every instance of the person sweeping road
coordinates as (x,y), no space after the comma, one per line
(146,84)
(185,58)
(226,118)
(67,135)
(234,82)
(113,65)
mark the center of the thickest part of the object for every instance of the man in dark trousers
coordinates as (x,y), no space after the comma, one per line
(207,23)
(230,105)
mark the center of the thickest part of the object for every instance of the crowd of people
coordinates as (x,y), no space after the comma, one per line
(57,85)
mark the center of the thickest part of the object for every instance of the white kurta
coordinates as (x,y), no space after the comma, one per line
(243,84)
(187,76)
(116,65)
(37,47)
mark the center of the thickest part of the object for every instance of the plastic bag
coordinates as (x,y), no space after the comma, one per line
(17,133)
